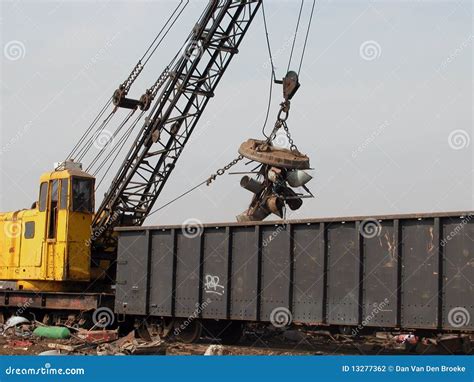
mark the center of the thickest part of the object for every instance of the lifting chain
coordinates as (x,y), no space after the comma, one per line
(159,82)
(222,170)
(283,114)
(132,77)
(290,140)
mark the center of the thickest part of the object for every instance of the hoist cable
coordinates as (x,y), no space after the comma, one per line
(121,143)
(149,56)
(272,77)
(164,26)
(112,151)
(268,106)
(84,150)
(114,148)
(166,33)
(294,37)
(108,140)
(268,42)
(306,37)
(119,146)
(88,130)
(77,149)
(127,84)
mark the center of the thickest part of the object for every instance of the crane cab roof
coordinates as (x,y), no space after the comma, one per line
(65,170)
(62,174)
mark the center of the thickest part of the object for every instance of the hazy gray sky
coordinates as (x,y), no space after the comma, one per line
(385,109)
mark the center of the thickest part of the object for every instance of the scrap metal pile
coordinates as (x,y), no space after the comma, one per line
(20,335)
(281,170)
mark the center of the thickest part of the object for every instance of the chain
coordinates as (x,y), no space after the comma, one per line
(133,76)
(160,81)
(290,140)
(222,170)
(281,122)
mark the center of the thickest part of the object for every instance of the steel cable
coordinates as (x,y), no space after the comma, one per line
(294,37)
(85,149)
(104,147)
(88,130)
(306,37)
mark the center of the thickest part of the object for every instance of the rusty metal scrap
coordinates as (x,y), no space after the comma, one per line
(263,152)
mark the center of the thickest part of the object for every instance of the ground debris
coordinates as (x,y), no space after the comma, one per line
(97,336)
(446,344)
(257,340)
(215,350)
(51,352)
(295,335)
(131,345)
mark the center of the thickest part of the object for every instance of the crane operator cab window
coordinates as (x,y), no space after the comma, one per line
(53,211)
(83,195)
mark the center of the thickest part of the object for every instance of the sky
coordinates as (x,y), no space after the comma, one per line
(384,111)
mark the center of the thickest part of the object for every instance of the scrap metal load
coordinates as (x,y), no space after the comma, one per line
(281,169)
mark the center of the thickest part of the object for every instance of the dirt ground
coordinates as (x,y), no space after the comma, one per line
(291,342)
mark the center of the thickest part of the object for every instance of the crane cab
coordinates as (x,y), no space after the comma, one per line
(51,241)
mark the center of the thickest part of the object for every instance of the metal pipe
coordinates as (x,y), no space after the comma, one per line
(251,185)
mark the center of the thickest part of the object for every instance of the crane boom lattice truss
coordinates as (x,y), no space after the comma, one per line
(190,84)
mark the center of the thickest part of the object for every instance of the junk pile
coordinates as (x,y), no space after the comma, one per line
(132,345)
(328,342)
(22,336)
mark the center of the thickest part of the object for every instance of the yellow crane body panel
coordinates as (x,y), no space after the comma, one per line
(50,241)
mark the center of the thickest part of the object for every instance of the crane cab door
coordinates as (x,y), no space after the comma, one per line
(55,243)
(68,228)
(79,229)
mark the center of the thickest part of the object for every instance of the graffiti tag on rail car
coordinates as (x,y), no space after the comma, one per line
(212,285)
